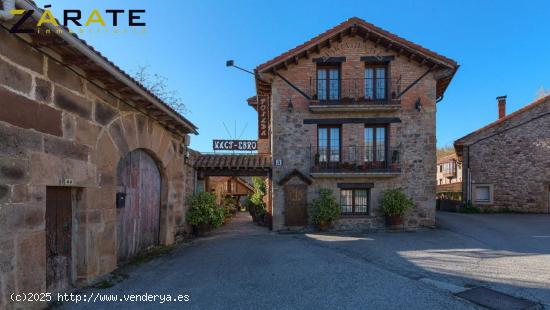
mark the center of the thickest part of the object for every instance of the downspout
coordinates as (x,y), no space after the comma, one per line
(78,45)
(7,7)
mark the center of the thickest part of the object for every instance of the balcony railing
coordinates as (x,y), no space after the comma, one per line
(353,159)
(354,91)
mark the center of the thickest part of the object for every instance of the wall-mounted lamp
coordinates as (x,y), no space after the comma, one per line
(290,107)
(418,105)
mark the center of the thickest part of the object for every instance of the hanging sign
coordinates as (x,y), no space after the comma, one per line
(263,117)
(235,145)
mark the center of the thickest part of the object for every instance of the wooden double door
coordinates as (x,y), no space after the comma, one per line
(138,219)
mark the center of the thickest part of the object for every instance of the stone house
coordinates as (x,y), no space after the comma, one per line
(351,110)
(93,167)
(449,177)
(506,164)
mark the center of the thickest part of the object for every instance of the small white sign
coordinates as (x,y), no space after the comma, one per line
(278,162)
(68,182)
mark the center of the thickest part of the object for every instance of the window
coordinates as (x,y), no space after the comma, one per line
(483,193)
(375,82)
(375,144)
(328,142)
(354,201)
(328,83)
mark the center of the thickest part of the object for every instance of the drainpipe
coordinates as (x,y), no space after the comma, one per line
(7,6)
(81,47)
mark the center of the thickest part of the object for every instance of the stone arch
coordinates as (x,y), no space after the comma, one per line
(126,132)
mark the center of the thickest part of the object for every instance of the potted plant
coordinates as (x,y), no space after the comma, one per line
(324,209)
(394,205)
(204,214)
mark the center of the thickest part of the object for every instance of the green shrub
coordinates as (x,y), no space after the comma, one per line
(324,209)
(395,202)
(255,202)
(204,210)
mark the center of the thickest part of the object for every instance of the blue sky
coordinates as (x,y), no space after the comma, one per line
(502,47)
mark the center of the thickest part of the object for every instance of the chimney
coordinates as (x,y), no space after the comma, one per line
(501,106)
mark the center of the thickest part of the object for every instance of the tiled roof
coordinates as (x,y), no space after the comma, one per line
(177,117)
(233,161)
(361,23)
(446,158)
(501,120)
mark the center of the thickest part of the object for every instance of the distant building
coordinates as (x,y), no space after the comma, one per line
(506,164)
(449,177)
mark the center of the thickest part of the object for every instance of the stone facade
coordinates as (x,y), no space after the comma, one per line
(414,136)
(511,158)
(56,125)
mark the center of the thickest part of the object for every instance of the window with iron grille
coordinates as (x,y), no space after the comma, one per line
(354,201)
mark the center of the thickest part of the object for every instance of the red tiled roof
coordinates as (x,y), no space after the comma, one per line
(366,25)
(233,161)
(501,120)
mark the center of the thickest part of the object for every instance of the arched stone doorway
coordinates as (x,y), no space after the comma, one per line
(138,220)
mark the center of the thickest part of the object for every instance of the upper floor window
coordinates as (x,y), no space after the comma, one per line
(328,141)
(375,144)
(375,82)
(328,82)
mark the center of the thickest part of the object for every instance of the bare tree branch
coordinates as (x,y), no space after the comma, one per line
(542,92)
(157,84)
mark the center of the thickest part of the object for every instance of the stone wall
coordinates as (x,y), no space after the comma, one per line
(513,157)
(55,125)
(414,137)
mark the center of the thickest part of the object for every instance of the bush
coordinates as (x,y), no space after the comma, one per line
(395,202)
(324,209)
(204,210)
(255,202)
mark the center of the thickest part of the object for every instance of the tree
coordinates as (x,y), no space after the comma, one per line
(445,150)
(542,92)
(157,84)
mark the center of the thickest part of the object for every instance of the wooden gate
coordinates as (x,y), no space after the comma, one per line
(138,221)
(295,205)
(58,238)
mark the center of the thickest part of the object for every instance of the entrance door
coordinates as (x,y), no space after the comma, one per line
(58,238)
(295,205)
(138,221)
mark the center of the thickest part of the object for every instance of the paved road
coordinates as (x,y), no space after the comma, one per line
(244,266)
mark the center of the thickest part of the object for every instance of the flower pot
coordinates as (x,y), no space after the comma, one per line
(394,220)
(324,226)
(202,230)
